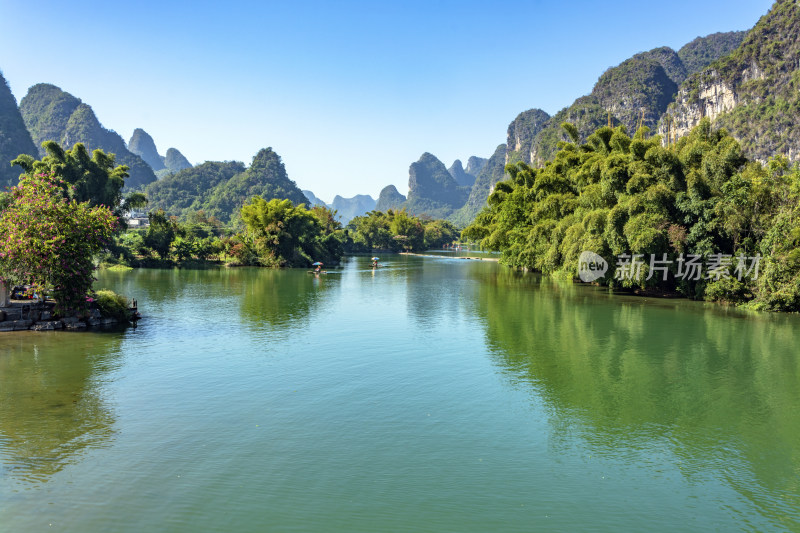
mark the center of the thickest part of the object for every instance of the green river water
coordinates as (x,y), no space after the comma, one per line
(432,394)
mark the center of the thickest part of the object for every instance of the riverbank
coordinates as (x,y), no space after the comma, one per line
(21,315)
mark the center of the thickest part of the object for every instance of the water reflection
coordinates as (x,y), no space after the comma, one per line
(717,386)
(278,299)
(51,405)
(161,287)
(441,289)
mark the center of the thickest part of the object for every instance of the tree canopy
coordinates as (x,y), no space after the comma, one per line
(620,196)
(95,179)
(49,241)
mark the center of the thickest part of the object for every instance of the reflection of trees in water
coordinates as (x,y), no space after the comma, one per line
(51,410)
(637,371)
(442,288)
(266,296)
(283,298)
(163,286)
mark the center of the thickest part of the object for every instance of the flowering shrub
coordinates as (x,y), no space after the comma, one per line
(48,240)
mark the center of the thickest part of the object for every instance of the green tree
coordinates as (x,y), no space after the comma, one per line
(283,234)
(408,230)
(160,234)
(49,241)
(616,195)
(94,179)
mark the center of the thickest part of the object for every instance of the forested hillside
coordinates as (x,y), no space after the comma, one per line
(14,137)
(51,114)
(754,92)
(220,189)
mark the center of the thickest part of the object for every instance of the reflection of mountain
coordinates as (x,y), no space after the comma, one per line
(51,410)
(713,385)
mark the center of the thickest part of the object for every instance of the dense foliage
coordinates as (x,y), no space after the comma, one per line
(399,231)
(615,195)
(48,240)
(168,242)
(96,179)
(221,189)
(188,190)
(265,177)
(279,233)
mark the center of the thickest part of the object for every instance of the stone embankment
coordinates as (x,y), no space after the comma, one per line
(22,315)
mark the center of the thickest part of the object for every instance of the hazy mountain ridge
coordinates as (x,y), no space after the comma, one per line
(462,177)
(349,208)
(143,145)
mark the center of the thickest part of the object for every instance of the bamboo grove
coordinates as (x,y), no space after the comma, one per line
(622,198)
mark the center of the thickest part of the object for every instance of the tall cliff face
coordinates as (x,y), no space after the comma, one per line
(14,137)
(349,208)
(754,92)
(647,82)
(52,114)
(491,173)
(521,134)
(432,190)
(389,198)
(142,144)
(640,87)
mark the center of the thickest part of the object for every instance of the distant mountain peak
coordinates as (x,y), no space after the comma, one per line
(389,198)
(174,160)
(460,175)
(142,144)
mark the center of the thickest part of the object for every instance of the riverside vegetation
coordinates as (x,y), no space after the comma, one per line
(614,195)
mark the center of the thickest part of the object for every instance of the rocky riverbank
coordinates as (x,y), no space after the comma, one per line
(19,315)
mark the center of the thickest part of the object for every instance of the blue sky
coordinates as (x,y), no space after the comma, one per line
(348,93)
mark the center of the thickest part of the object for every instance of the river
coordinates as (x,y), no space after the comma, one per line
(431,394)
